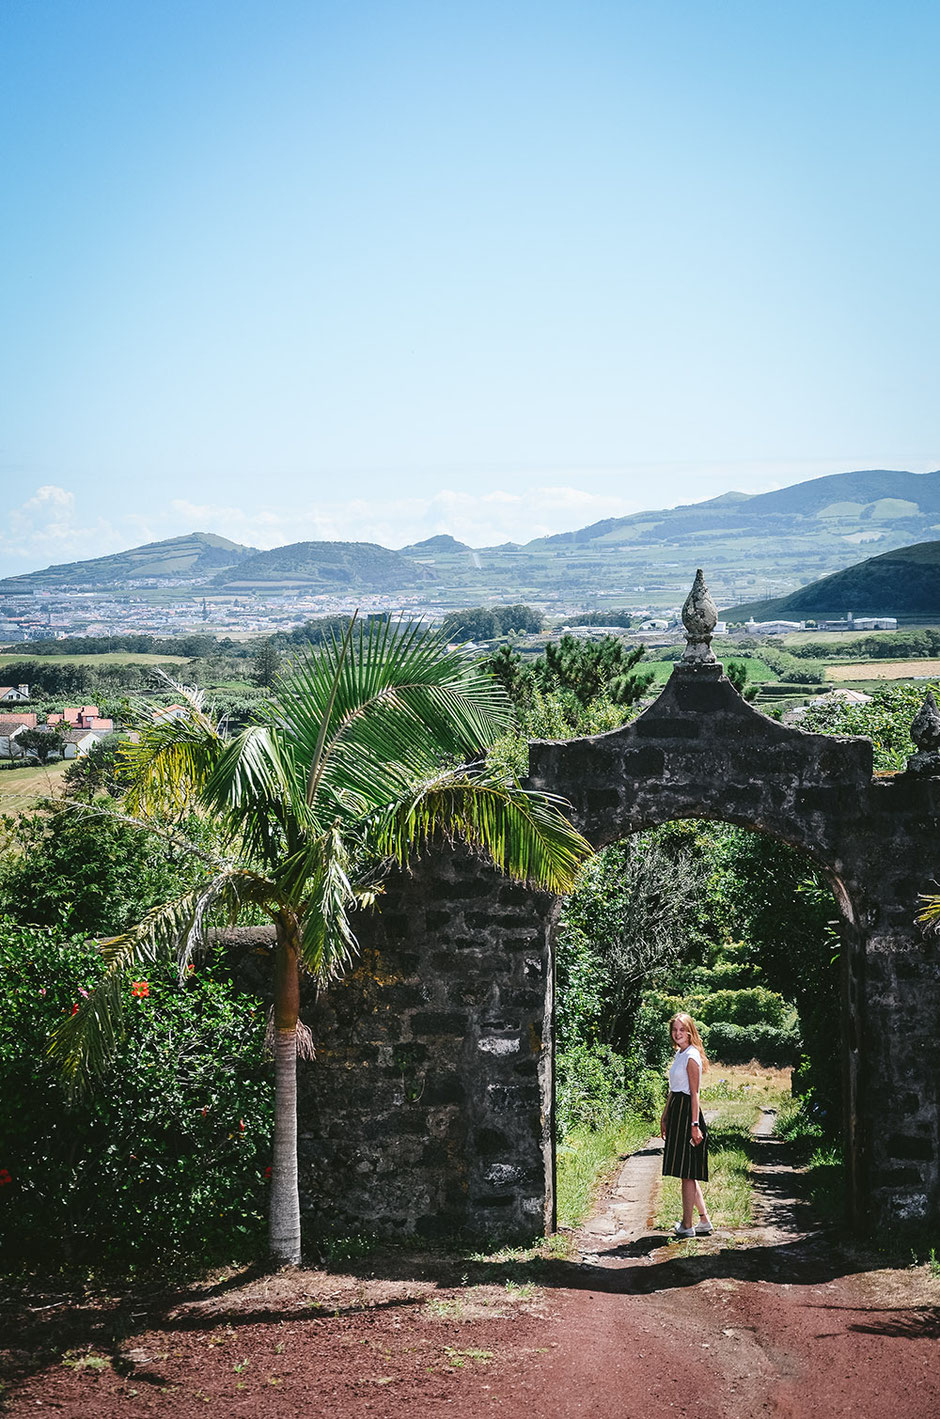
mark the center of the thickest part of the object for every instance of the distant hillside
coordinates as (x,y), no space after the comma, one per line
(327,566)
(178,558)
(868,506)
(903,582)
(431,545)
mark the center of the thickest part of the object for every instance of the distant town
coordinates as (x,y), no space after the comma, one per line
(44,615)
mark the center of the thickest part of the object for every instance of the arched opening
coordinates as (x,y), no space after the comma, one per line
(745,932)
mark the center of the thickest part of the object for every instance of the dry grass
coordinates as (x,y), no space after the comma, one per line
(23,788)
(885,670)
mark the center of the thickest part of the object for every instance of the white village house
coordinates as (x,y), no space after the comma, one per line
(83,727)
(14,694)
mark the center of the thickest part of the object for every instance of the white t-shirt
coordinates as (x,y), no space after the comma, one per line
(679,1069)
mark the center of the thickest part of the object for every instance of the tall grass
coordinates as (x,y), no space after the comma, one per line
(822,1156)
(586,1158)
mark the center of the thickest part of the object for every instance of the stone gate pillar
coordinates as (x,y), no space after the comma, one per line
(427,1110)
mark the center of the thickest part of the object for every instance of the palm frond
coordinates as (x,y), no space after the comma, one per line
(328,944)
(524,834)
(83,1042)
(170,760)
(395,703)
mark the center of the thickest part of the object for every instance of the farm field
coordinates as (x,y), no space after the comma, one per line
(662,669)
(21,788)
(793,638)
(110,657)
(885,670)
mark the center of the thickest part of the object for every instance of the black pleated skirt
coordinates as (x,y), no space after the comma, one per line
(680,1158)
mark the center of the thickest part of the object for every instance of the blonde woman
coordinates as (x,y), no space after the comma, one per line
(685,1154)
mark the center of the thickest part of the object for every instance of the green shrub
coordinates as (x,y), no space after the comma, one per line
(167,1158)
(753,1006)
(770,1046)
(596,1087)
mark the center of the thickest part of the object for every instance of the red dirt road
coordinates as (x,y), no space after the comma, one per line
(768,1321)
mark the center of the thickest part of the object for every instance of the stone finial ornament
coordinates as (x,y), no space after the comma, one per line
(700,617)
(925,732)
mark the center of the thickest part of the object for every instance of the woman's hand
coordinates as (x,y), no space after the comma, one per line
(662,1125)
(696,1130)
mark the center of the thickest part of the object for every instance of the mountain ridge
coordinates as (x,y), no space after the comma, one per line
(190,556)
(774,540)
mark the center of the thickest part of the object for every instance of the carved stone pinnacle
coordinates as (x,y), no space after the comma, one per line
(700,617)
(925,732)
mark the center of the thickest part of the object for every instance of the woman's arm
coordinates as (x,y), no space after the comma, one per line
(695,1078)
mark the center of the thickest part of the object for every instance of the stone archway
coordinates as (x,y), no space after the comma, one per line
(429,1108)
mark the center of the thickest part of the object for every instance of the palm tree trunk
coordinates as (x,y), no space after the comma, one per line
(284,1214)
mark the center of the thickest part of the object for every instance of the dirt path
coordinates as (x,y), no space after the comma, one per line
(771,1320)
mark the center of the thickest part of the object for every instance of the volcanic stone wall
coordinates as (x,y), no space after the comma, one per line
(425,1112)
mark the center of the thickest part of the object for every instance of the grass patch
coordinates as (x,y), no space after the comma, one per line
(746,1083)
(585,1159)
(21,788)
(823,1159)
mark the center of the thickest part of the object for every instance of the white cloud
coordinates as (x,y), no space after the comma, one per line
(47,529)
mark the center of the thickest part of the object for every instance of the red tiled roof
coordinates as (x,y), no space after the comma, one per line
(9,722)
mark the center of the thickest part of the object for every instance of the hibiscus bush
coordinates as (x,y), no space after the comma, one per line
(167,1158)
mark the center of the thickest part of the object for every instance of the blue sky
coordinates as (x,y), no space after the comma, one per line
(378,270)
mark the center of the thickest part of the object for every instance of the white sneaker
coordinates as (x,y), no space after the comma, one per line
(680,1231)
(704,1229)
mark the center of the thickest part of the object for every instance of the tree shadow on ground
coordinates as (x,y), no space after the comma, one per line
(40,1328)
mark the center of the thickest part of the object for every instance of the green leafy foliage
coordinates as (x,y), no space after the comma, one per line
(167,1158)
(885,720)
(41,744)
(736,671)
(485,623)
(97,772)
(552,716)
(791,670)
(266,662)
(588,669)
(730,925)
(88,872)
(770,1045)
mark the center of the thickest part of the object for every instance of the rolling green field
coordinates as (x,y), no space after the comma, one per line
(662,669)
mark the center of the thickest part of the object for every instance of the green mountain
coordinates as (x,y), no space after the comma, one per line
(432,546)
(196,556)
(852,508)
(902,582)
(752,548)
(325,566)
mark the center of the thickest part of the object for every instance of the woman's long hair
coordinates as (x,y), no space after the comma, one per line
(694,1037)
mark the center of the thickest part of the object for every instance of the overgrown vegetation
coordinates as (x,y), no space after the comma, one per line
(165,1161)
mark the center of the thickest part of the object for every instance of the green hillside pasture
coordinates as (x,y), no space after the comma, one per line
(116,657)
(847,638)
(662,669)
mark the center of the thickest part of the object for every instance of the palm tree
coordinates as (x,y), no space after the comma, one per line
(372,752)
